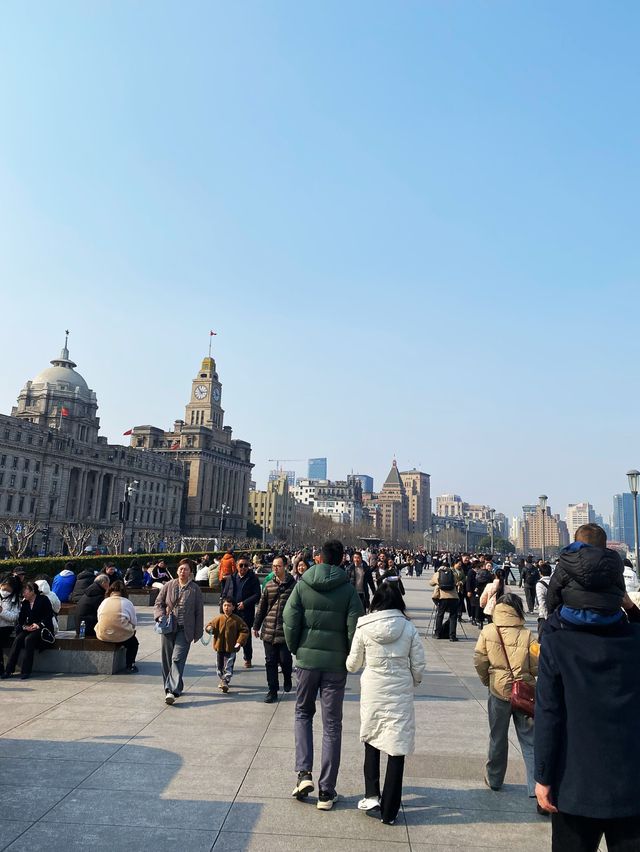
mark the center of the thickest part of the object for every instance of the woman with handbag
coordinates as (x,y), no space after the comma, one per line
(34,620)
(179,615)
(505,663)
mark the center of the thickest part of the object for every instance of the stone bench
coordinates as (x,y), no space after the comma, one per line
(143,597)
(66,618)
(79,656)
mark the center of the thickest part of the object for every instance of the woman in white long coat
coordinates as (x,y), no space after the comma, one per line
(389,647)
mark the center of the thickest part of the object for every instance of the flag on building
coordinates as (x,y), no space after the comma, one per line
(64,412)
(213,333)
(128,432)
(175,445)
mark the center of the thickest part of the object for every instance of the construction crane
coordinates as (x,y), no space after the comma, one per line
(280,461)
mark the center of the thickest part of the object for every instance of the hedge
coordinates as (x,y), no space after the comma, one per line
(52,565)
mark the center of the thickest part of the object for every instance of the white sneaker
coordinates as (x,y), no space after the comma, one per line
(369,804)
(326,801)
(169,698)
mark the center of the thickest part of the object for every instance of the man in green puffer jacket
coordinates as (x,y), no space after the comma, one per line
(319,623)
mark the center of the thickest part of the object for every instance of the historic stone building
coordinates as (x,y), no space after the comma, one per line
(418,487)
(56,469)
(217,467)
(394,505)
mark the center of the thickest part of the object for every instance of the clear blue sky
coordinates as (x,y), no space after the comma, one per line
(414,226)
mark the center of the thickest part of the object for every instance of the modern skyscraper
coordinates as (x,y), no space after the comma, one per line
(317,469)
(623,519)
(365,481)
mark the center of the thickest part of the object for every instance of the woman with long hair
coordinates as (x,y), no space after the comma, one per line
(389,647)
(492,593)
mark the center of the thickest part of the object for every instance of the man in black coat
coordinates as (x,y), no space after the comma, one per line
(587,748)
(87,607)
(244,588)
(529,577)
(83,581)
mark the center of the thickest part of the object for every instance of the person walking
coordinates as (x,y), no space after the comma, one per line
(491,594)
(319,623)
(502,655)
(389,647)
(269,625)
(361,578)
(530,576)
(244,588)
(587,749)
(181,598)
(447,581)
(229,633)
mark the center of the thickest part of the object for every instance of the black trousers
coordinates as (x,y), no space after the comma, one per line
(274,655)
(530,595)
(450,606)
(5,642)
(583,834)
(392,790)
(131,650)
(247,648)
(31,642)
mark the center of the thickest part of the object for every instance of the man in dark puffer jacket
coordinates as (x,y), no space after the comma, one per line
(589,575)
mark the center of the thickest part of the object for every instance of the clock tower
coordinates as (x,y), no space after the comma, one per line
(204,409)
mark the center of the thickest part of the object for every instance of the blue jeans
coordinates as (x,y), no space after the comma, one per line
(226,663)
(331,687)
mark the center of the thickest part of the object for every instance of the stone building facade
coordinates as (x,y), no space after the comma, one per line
(56,469)
(217,467)
(418,488)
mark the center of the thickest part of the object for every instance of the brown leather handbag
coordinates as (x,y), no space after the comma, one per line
(523,695)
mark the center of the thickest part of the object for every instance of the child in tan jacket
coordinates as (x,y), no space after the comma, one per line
(229,633)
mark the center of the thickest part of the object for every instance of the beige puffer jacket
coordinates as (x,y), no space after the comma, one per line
(489,658)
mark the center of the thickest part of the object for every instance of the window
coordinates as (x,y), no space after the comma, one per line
(35,483)
(3,460)
(24,482)
(56,468)
(32,506)
(29,439)
(1,477)
(18,436)
(9,502)
(37,467)
(21,504)
(12,480)
(14,463)
(27,462)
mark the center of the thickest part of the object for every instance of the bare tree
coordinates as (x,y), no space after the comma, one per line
(173,542)
(112,538)
(149,539)
(77,537)
(18,534)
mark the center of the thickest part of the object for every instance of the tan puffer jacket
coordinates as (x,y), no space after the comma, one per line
(489,658)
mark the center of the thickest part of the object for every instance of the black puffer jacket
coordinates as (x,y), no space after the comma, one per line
(587,578)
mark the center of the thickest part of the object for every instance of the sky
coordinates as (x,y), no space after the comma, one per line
(413,225)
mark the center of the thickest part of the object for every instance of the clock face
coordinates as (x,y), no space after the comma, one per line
(200,392)
(216,394)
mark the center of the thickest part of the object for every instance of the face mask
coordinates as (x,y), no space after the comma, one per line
(5,595)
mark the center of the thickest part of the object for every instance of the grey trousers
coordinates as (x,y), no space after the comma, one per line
(175,650)
(331,687)
(500,714)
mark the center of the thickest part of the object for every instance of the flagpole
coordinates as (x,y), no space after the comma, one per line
(210,335)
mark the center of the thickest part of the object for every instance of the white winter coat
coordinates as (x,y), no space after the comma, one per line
(388,645)
(10,612)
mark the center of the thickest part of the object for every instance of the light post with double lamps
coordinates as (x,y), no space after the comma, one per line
(634,481)
(491,514)
(130,490)
(543,508)
(224,510)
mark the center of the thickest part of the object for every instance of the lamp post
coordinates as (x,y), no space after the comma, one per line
(466,535)
(491,514)
(224,510)
(130,490)
(543,507)
(634,482)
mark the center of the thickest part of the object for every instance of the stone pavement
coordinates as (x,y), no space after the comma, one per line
(102,763)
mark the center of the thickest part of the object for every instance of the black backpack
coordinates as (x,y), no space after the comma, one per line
(483,577)
(446,580)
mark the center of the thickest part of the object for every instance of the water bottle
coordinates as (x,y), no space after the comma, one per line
(83,629)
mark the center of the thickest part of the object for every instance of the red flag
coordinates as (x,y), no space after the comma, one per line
(128,432)
(175,445)
(213,333)
(64,412)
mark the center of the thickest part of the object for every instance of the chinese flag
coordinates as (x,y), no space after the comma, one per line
(128,432)
(175,445)
(64,412)
(213,333)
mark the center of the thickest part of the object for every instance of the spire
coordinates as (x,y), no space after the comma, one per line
(393,479)
(64,360)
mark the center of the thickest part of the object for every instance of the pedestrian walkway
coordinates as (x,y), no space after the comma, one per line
(102,763)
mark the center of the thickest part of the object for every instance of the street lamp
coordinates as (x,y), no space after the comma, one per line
(634,482)
(224,510)
(491,514)
(130,490)
(543,507)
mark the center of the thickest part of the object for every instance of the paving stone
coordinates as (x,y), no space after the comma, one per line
(66,838)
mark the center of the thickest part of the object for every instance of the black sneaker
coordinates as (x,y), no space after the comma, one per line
(303,787)
(270,698)
(133,669)
(326,800)
(287,685)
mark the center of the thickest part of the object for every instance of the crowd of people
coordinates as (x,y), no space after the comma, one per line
(570,683)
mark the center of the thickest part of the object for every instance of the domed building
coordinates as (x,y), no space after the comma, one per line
(56,469)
